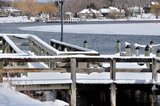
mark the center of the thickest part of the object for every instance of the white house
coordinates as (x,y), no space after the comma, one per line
(89,14)
(136,10)
(106,12)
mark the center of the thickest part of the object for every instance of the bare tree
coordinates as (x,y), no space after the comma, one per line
(29,7)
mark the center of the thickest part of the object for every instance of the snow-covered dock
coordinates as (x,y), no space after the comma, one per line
(65,66)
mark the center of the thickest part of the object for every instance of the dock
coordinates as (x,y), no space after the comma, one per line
(29,63)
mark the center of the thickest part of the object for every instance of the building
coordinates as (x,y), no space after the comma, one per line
(10,11)
(111,12)
(89,14)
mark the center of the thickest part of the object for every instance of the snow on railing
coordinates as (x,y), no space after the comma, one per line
(11,43)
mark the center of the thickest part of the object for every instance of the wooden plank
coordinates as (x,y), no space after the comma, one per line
(89,70)
(42,87)
(21,70)
(154,69)
(113,69)
(1,71)
(113,95)
(73,85)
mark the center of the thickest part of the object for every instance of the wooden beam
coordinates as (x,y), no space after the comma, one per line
(113,95)
(21,70)
(89,70)
(1,71)
(113,69)
(154,69)
(42,87)
(73,85)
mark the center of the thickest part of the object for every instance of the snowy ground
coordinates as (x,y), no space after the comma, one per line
(14,19)
(125,29)
(10,97)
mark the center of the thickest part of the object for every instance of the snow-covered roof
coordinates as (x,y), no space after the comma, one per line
(87,11)
(84,11)
(104,10)
(114,9)
(110,10)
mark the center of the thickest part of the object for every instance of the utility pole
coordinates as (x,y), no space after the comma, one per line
(62,17)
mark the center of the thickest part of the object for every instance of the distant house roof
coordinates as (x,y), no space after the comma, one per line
(114,9)
(86,11)
(110,10)
(104,10)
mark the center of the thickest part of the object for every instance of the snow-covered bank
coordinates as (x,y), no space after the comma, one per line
(125,29)
(14,19)
(10,97)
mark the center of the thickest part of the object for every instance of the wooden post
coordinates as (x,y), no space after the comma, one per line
(118,46)
(154,96)
(151,47)
(73,85)
(147,53)
(113,95)
(113,86)
(1,71)
(137,51)
(154,69)
(128,50)
(85,44)
(113,69)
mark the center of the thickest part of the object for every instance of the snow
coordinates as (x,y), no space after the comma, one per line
(91,78)
(104,10)
(125,29)
(11,19)
(126,65)
(10,42)
(10,97)
(133,78)
(42,78)
(55,51)
(86,11)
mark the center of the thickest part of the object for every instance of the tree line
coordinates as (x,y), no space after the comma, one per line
(33,7)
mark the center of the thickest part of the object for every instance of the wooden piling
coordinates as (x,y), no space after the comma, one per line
(118,46)
(147,53)
(73,85)
(1,71)
(151,46)
(137,51)
(113,95)
(112,69)
(85,44)
(154,69)
(128,50)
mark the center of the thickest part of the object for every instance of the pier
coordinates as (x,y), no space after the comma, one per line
(78,72)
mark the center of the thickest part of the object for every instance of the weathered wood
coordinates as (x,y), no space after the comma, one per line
(154,69)
(154,96)
(113,69)
(42,87)
(89,70)
(1,71)
(21,70)
(113,95)
(73,85)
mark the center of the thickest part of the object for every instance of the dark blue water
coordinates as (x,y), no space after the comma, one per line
(103,43)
